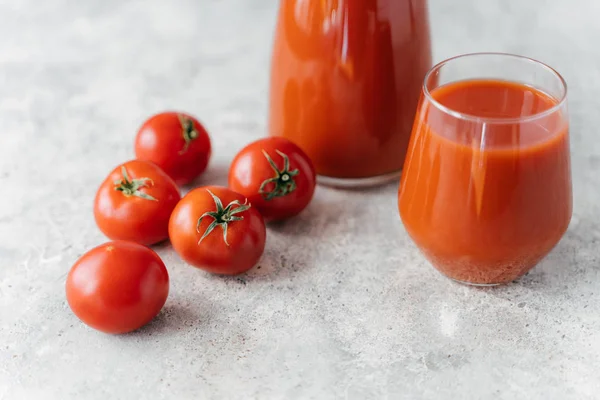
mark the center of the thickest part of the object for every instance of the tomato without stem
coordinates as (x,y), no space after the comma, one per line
(135,202)
(216,229)
(275,175)
(117,287)
(176,142)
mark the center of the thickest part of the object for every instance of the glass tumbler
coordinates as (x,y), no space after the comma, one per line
(486,186)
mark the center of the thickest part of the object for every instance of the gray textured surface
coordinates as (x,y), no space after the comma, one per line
(343,306)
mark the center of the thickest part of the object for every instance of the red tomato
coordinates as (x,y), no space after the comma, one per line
(117,287)
(275,175)
(135,202)
(216,229)
(177,143)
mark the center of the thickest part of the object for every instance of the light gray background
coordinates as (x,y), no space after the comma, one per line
(343,305)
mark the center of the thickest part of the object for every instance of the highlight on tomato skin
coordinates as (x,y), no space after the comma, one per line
(177,142)
(275,175)
(218,230)
(117,287)
(135,202)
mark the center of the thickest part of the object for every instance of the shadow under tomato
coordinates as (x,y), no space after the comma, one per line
(295,245)
(172,318)
(276,263)
(321,220)
(279,264)
(216,174)
(161,246)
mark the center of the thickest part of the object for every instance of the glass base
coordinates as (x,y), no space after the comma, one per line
(475,284)
(358,183)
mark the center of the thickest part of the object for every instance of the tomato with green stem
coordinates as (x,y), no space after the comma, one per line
(117,287)
(216,229)
(275,175)
(176,142)
(135,202)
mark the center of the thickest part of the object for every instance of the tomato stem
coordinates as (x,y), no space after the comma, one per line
(131,187)
(283,179)
(222,216)
(188,131)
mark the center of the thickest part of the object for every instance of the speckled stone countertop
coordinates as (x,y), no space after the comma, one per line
(343,305)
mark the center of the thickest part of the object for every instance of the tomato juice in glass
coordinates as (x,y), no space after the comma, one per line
(486,186)
(345,82)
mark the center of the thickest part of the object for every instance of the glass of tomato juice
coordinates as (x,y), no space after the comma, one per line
(486,187)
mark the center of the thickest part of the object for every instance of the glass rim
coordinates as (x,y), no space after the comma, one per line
(495,120)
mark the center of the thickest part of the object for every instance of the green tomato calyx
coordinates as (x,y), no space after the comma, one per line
(188,131)
(283,179)
(222,216)
(131,187)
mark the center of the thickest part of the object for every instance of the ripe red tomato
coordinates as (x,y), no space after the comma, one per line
(135,202)
(177,143)
(216,229)
(117,287)
(275,175)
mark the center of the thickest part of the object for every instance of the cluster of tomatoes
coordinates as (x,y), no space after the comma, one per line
(121,285)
